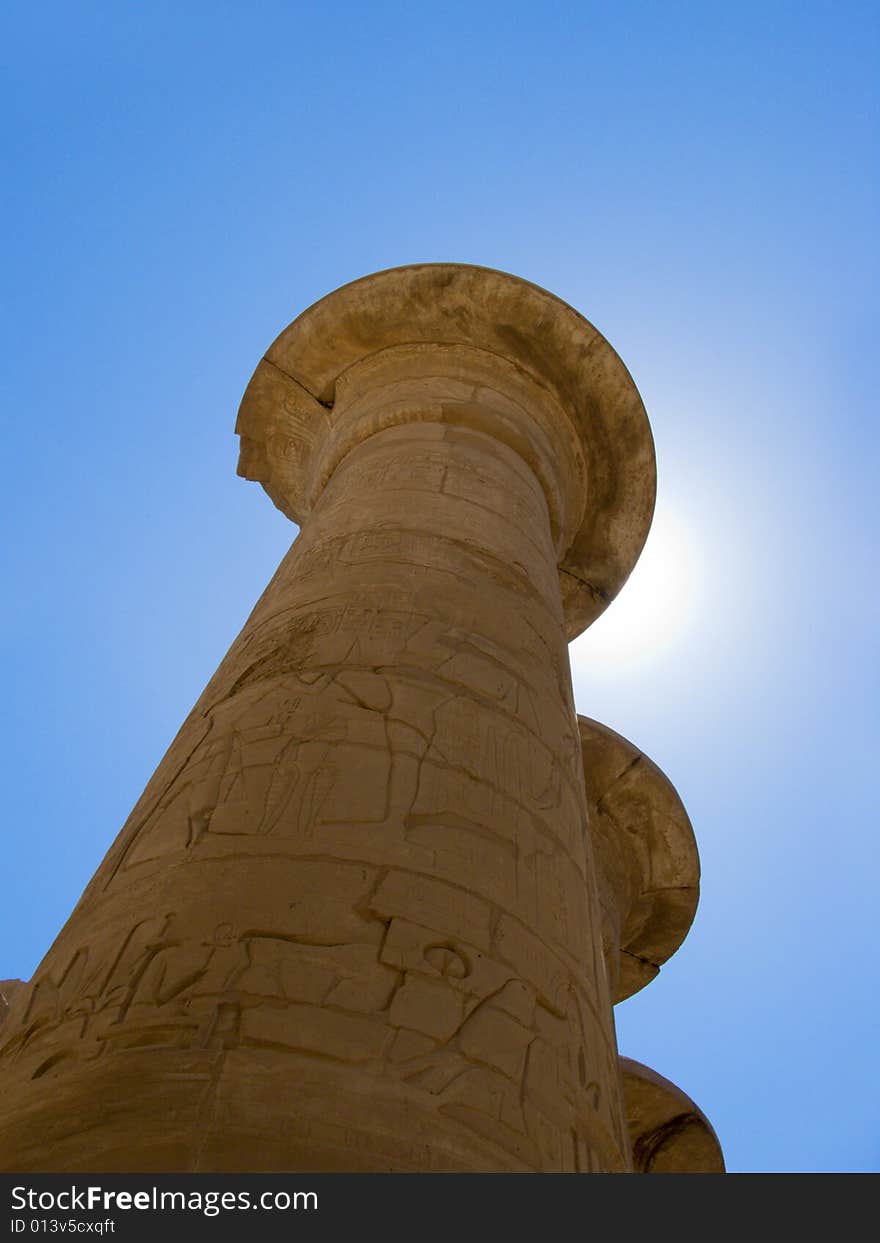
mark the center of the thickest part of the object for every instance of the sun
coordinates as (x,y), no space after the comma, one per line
(655,609)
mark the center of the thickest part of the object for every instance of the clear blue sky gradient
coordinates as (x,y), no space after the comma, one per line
(700,180)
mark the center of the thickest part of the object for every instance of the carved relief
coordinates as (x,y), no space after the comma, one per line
(367,850)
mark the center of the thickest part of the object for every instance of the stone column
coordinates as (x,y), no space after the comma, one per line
(353,923)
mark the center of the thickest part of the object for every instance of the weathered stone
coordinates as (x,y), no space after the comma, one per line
(668,1132)
(504,346)
(647,866)
(353,922)
(8,989)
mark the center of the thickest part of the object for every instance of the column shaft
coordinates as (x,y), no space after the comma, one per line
(352,923)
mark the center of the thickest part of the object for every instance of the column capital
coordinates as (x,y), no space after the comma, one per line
(668,1132)
(479,348)
(647,864)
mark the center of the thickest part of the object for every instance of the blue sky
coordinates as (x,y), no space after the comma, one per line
(700,180)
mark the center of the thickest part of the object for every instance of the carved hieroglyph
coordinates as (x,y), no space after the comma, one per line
(353,921)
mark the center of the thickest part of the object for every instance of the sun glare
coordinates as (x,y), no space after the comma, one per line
(654,610)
